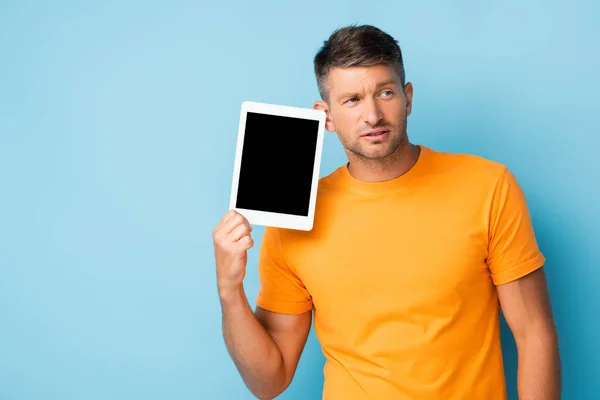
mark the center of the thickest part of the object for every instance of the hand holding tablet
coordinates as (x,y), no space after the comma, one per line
(277,163)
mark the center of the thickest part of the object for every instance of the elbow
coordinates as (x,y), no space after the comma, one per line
(271,388)
(266,397)
(268,392)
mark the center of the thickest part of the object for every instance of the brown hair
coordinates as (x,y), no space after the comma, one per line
(353,45)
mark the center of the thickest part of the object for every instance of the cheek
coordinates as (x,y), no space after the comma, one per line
(351,119)
(394,114)
(345,121)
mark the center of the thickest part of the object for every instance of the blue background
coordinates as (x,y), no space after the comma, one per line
(118,123)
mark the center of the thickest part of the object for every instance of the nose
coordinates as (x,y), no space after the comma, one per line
(371,113)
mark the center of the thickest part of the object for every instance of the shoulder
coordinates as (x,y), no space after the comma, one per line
(331,183)
(466,162)
(333,178)
(330,192)
(466,167)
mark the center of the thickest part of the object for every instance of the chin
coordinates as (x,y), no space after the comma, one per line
(377,154)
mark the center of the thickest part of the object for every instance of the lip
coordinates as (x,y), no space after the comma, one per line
(376,134)
(375,131)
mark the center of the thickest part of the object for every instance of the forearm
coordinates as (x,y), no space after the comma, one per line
(255,354)
(539,372)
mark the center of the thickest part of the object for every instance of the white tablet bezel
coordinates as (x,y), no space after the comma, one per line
(264,218)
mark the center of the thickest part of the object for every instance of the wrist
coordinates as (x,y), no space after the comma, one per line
(229,294)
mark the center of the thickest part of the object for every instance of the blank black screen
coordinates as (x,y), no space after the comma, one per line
(277,164)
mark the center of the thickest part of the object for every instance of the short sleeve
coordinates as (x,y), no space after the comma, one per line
(512,250)
(281,290)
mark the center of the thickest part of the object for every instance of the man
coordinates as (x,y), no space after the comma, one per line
(413,255)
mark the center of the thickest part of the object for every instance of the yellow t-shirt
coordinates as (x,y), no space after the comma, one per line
(401,276)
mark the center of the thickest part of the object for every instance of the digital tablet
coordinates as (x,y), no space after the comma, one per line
(277,162)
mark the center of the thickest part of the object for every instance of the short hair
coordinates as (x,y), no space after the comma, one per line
(356,45)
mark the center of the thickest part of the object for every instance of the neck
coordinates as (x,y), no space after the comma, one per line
(381,170)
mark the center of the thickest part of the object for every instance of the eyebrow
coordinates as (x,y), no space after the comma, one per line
(380,84)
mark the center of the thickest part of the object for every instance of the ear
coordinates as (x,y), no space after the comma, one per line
(321,105)
(408,93)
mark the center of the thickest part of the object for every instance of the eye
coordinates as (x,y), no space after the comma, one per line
(351,99)
(389,93)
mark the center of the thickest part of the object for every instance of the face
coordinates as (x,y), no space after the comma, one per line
(368,108)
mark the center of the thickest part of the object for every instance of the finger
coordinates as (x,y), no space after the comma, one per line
(228,215)
(232,223)
(218,230)
(239,232)
(245,243)
(235,221)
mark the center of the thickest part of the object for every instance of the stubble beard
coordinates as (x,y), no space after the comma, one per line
(374,154)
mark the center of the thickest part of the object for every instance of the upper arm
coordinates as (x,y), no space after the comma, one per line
(289,332)
(281,288)
(513,251)
(283,305)
(516,262)
(525,304)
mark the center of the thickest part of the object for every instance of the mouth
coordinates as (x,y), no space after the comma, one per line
(375,134)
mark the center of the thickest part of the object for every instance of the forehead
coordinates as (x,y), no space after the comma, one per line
(354,79)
